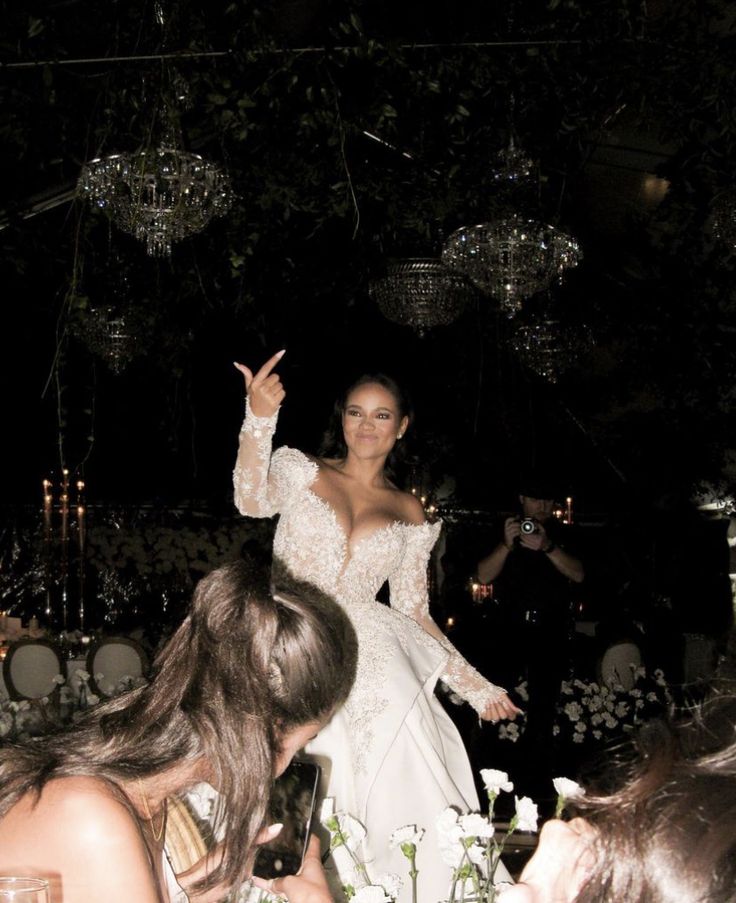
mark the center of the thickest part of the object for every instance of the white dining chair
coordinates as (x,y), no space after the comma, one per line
(31,669)
(618,664)
(113,659)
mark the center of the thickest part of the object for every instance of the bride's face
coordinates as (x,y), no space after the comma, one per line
(371,421)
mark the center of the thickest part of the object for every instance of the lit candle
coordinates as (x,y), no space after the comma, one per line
(64,500)
(81,527)
(64,521)
(568,516)
(47,510)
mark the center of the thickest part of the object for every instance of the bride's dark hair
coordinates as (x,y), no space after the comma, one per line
(333,442)
(248,663)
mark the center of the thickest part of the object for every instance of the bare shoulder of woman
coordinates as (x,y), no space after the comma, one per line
(80,833)
(92,802)
(411,509)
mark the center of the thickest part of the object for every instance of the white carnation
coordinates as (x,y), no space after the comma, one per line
(526,814)
(495,781)
(407,834)
(391,883)
(475,825)
(371,893)
(567,789)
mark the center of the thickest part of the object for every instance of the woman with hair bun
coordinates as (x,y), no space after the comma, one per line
(246,680)
(393,755)
(666,833)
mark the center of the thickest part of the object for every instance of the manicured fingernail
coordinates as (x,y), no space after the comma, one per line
(281,353)
(274,830)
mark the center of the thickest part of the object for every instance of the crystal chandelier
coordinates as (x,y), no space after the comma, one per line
(548,349)
(512,166)
(160,195)
(112,336)
(421,292)
(511,258)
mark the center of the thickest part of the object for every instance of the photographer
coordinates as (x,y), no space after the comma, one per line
(533,569)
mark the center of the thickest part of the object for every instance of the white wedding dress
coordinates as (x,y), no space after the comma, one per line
(392,755)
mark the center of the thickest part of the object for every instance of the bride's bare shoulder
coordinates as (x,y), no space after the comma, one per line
(333,463)
(411,508)
(329,467)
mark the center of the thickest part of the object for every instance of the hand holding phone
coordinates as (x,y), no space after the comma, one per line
(309,886)
(293,799)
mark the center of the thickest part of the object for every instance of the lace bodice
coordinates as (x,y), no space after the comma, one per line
(311,542)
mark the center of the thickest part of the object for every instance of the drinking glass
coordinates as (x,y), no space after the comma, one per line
(24,890)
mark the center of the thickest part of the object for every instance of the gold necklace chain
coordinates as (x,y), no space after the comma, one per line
(157,835)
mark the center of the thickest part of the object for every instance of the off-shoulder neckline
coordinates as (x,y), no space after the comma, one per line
(393,524)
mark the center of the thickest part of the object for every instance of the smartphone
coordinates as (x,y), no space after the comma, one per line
(293,800)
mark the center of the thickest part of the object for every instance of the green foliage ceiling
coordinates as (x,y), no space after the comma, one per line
(284,95)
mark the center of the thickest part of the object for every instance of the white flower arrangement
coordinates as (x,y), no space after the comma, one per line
(594,713)
(26,718)
(468,843)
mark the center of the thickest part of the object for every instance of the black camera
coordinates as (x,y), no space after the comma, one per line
(528,525)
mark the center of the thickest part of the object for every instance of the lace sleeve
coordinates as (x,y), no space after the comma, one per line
(409,595)
(254,495)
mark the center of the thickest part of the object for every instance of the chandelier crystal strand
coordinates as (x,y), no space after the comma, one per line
(110,335)
(513,166)
(547,348)
(421,292)
(723,218)
(159,195)
(511,258)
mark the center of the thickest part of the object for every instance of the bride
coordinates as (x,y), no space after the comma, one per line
(393,755)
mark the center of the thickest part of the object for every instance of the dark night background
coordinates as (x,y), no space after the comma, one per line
(629,108)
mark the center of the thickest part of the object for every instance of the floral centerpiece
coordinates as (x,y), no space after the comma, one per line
(591,713)
(21,719)
(468,843)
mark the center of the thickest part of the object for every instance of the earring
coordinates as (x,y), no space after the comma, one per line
(399,435)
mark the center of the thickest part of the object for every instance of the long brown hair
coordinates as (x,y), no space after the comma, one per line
(669,833)
(248,663)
